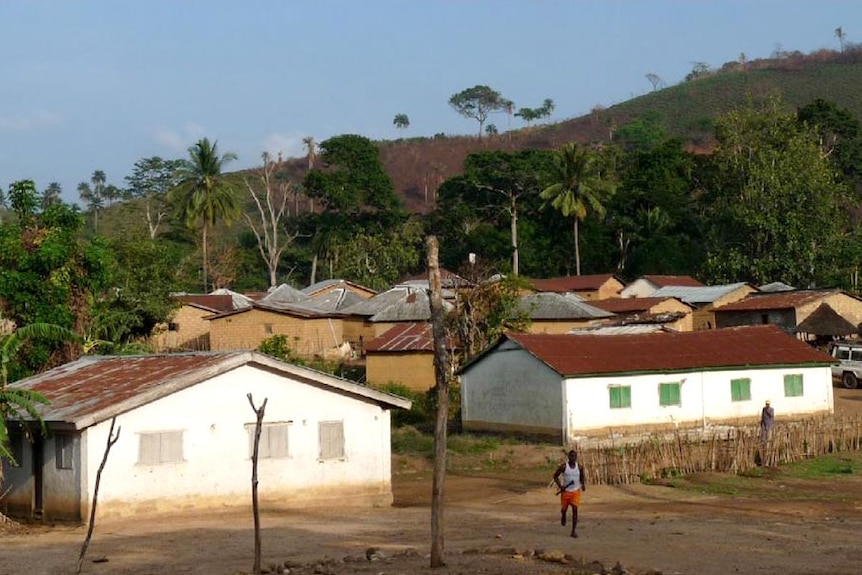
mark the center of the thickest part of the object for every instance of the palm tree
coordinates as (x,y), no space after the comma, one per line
(202,195)
(578,188)
(12,400)
(51,195)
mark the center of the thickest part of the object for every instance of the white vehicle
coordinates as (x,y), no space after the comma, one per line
(849,370)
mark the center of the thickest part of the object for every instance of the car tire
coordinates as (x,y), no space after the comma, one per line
(849,380)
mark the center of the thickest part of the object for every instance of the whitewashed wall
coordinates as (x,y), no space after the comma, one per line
(216,470)
(511,389)
(705,397)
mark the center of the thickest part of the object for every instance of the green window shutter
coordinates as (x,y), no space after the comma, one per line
(669,393)
(793,385)
(740,389)
(620,396)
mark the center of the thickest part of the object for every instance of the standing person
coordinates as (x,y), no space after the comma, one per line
(571,480)
(767,420)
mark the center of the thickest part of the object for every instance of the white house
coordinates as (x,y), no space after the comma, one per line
(570,387)
(186,433)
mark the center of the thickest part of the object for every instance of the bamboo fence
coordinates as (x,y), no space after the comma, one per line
(731,450)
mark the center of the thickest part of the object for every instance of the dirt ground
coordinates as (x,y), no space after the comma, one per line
(505,523)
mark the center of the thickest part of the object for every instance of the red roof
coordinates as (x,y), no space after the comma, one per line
(208,301)
(411,336)
(572,283)
(662,281)
(777,300)
(629,304)
(748,346)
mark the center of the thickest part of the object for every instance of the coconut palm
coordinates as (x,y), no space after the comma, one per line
(14,400)
(202,195)
(578,189)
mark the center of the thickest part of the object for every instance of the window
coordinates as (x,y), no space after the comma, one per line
(64,449)
(267,328)
(843,353)
(740,389)
(793,385)
(273,440)
(331,439)
(668,393)
(160,447)
(764,318)
(855,354)
(620,396)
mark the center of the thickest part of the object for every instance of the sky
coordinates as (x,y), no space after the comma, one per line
(98,85)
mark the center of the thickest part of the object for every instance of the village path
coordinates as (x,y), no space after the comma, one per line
(491,526)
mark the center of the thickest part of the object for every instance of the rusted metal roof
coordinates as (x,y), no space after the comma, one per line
(630,304)
(662,281)
(96,388)
(739,347)
(572,283)
(776,300)
(208,302)
(414,336)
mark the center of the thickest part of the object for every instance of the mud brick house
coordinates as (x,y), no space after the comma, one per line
(669,312)
(402,354)
(811,313)
(589,287)
(705,300)
(569,387)
(557,313)
(188,329)
(186,433)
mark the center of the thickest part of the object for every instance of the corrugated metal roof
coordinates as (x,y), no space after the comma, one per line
(96,388)
(412,336)
(324,284)
(284,294)
(571,283)
(776,300)
(826,321)
(413,306)
(698,295)
(335,299)
(681,281)
(448,279)
(629,304)
(748,346)
(239,300)
(380,302)
(557,306)
(776,286)
(628,329)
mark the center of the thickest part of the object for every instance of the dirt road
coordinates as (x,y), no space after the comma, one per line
(493,524)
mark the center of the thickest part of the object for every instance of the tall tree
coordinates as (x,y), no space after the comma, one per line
(93,194)
(547,108)
(271,202)
(579,188)
(401,121)
(841,35)
(51,194)
(477,103)
(775,208)
(150,181)
(202,195)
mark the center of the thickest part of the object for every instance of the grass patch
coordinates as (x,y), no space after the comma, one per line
(848,463)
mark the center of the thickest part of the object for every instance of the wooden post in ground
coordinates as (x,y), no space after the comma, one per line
(112,439)
(442,381)
(254,503)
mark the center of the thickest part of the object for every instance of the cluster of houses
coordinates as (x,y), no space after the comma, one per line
(599,358)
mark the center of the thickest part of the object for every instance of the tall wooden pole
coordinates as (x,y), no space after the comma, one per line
(442,380)
(259,412)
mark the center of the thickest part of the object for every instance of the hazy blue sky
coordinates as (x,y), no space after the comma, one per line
(99,84)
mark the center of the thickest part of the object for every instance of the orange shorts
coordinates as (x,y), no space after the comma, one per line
(570,498)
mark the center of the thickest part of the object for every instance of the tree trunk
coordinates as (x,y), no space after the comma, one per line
(112,439)
(514,224)
(254,501)
(204,249)
(577,249)
(313,269)
(442,380)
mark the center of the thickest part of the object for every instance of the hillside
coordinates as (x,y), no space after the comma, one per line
(687,110)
